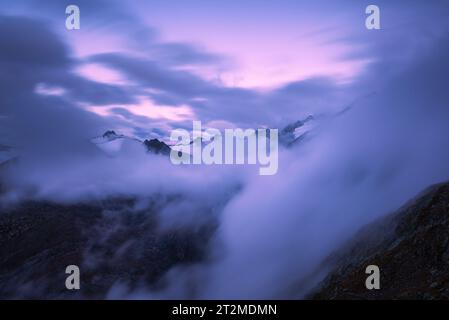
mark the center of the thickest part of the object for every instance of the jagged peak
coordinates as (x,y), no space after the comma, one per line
(111,133)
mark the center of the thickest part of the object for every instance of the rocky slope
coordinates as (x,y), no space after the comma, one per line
(410,246)
(156,146)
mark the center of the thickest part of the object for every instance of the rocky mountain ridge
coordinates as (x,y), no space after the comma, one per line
(410,247)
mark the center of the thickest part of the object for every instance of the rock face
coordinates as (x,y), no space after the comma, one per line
(111,135)
(411,248)
(6,153)
(157,147)
(112,241)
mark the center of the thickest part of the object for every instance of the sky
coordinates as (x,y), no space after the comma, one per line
(146,67)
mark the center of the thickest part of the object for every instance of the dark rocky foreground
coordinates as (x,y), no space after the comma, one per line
(119,241)
(111,242)
(410,246)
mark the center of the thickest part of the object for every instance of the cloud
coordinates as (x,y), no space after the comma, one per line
(275,230)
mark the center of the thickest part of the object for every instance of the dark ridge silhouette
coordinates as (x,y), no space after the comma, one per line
(156,146)
(410,247)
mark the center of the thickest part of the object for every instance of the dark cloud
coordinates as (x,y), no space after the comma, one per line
(154,75)
(94,93)
(159,72)
(183,54)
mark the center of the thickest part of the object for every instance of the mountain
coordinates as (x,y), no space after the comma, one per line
(296,131)
(156,146)
(410,246)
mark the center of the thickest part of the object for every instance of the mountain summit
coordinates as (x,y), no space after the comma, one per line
(410,247)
